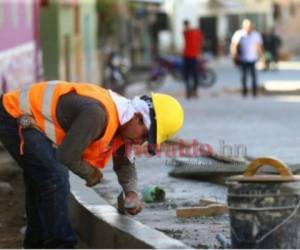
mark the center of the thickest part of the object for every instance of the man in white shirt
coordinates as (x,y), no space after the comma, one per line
(245,49)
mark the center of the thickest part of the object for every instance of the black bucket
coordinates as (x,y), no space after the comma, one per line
(264,209)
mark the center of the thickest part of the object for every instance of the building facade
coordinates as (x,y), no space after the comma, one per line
(287,22)
(69,40)
(218,19)
(129,26)
(19,45)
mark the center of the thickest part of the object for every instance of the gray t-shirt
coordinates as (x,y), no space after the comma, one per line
(84,121)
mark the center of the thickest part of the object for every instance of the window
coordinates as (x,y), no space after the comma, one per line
(276,11)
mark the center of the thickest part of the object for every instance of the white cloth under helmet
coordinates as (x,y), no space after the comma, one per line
(127,108)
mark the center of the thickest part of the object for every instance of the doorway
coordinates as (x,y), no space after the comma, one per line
(208,25)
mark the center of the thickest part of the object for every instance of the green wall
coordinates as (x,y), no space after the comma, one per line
(49,40)
(89,37)
(57,23)
(66,29)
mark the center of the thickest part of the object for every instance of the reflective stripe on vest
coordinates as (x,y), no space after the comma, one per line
(24,105)
(46,107)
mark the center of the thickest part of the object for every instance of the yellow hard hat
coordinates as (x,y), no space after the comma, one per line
(168,115)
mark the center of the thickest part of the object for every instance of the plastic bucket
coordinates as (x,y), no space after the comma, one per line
(264,209)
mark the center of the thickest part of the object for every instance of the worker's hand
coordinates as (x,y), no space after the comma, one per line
(94,178)
(133,204)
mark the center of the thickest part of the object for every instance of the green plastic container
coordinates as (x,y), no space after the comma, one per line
(153,194)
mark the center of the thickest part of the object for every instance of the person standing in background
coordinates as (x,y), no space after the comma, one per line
(272,43)
(193,40)
(246,48)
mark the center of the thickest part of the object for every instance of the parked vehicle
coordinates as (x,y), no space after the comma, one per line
(173,65)
(115,74)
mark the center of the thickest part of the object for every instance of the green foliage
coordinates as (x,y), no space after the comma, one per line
(133,8)
(108,19)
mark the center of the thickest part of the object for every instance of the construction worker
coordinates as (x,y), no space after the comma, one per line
(54,126)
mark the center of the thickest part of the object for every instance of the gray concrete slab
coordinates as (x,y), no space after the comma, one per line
(204,168)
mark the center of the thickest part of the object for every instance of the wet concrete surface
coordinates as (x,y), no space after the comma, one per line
(194,232)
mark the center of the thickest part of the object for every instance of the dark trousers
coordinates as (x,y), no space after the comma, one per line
(47,186)
(248,68)
(190,72)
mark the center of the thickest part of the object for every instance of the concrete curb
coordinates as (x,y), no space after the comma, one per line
(99,225)
(266,92)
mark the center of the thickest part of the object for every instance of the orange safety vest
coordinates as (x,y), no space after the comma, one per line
(40,101)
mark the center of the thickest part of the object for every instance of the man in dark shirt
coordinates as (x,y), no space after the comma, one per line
(271,45)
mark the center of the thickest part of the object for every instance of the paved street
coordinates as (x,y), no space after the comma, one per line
(263,126)
(229,77)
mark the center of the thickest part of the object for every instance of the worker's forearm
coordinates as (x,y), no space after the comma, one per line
(79,167)
(127,177)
